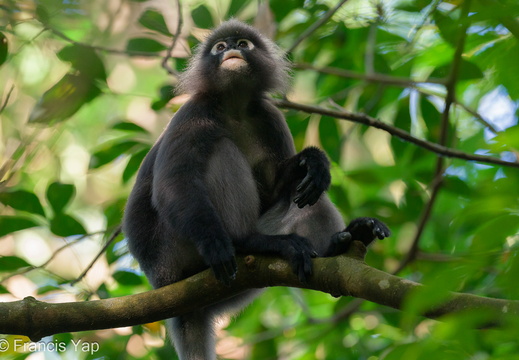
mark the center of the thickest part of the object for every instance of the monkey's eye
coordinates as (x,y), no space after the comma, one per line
(218,47)
(245,44)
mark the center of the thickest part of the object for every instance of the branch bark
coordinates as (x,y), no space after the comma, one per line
(345,275)
(402,134)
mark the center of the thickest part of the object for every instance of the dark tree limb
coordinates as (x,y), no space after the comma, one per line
(402,134)
(345,275)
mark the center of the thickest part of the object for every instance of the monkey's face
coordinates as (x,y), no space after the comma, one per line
(232,53)
(235,57)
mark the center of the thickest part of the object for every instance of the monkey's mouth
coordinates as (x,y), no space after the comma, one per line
(233,60)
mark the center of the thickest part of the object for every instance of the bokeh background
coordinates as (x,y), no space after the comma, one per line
(86,87)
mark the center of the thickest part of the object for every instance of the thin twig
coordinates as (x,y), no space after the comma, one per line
(440,163)
(116,233)
(375,77)
(176,36)
(396,81)
(402,134)
(52,257)
(102,48)
(6,101)
(316,25)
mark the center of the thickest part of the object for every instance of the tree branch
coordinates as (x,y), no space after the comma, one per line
(439,171)
(176,36)
(340,276)
(374,77)
(404,135)
(309,31)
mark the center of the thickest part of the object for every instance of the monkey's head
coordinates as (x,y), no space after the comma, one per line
(236,57)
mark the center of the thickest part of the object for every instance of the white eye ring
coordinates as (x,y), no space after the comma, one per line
(247,44)
(219,47)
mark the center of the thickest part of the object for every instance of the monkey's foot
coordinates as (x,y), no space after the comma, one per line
(367,229)
(363,229)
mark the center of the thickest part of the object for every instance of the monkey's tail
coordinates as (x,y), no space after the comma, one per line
(193,335)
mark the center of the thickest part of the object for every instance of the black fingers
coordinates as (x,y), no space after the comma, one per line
(317,179)
(299,252)
(225,271)
(368,229)
(219,255)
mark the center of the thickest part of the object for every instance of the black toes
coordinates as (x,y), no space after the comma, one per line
(225,271)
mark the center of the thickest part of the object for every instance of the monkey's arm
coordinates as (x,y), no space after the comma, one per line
(305,176)
(182,200)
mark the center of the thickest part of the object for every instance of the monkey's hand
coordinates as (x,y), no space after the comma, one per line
(299,253)
(363,229)
(220,257)
(317,179)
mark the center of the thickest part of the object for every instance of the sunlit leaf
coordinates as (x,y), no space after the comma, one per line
(65,225)
(59,195)
(22,200)
(3,48)
(144,45)
(153,20)
(10,224)
(64,99)
(12,263)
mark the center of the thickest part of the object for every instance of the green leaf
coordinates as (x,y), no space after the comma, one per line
(65,225)
(330,137)
(154,20)
(22,200)
(166,93)
(202,17)
(3,290)
(47,288)
(144,45)
(42,14)
(235,7)
(12,263)
(10,224)
(468,71)
(59,195)
(103,292)
(127,278)
(85,60)
(448,27)
(3,48)
(110,152)
(134,164)
(129,126)
(64,99)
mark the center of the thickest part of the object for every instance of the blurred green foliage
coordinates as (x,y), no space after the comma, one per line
(84,94)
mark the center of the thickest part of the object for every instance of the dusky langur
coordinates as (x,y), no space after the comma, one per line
(224,179)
